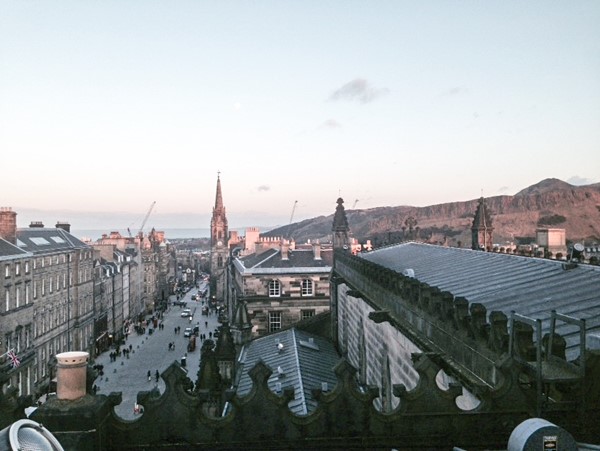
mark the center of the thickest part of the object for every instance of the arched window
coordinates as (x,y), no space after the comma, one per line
(274,288)
(307,287)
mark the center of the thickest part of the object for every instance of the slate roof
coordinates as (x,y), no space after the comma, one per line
(10,251)
(42,240)
(299,260)
(306,361)
(532,287)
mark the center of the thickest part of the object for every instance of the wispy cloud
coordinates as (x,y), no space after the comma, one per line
(579,181)
(358,90)
(330,124)
(264,188)
(456,90)
(503,189)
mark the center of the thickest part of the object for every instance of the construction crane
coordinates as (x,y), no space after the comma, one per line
(293,210)
(145,219)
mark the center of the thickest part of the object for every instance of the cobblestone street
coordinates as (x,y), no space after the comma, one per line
(150,352)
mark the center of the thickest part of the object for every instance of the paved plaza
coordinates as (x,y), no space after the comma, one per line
(150,352)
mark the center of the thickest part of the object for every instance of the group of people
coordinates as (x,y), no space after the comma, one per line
(156,375)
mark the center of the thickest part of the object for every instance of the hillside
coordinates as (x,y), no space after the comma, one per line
(549,203)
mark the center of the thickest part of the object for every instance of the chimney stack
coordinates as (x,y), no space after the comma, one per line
(284,251)
(36,225)
(317,251)
(71,374)
(8,225)
(64,225)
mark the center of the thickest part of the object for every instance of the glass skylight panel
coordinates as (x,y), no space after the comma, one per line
(57,239)
(20,243)
(40,241)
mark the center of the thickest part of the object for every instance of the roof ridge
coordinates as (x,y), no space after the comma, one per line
(266,259)
(302,395)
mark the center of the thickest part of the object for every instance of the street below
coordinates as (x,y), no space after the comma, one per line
(151,352)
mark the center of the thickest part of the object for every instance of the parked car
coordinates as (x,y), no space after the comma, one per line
(186,312)
(187,332)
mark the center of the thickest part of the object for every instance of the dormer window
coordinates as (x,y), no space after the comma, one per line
(274,289)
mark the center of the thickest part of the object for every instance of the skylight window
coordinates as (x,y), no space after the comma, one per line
(57,239)
(39,241)
(20,243)
(309,344)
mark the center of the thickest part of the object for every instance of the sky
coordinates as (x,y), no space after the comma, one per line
(108,106)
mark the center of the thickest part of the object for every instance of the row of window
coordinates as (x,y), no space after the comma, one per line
(53,283)
(42,262)
(275,318)
(307,288)
(7,268)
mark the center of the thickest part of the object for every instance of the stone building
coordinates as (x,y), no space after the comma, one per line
(279,286)
(48,297)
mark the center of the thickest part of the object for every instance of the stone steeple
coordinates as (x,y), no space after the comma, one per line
(219,235)
(341,230)
(241,327)
(482,229)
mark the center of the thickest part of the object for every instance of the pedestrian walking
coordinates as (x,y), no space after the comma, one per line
(157,376)
(149,375)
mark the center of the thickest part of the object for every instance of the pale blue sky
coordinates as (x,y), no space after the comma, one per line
(106,106)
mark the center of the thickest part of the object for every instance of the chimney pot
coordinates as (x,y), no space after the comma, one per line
(71,374)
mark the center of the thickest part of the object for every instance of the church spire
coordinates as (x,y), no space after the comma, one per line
(341,230)
(219,197)
(219,236)
(482,229)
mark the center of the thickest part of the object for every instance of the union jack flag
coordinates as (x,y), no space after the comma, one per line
(14,360)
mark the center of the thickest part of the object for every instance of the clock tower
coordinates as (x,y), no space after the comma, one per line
(219,249)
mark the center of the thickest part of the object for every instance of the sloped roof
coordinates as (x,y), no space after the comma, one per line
(532,287)
(305,360)
(41,240)
(299,260)
(9,250)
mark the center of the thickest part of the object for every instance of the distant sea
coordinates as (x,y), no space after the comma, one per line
(95,234)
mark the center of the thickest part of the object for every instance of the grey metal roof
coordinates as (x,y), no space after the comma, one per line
(42,240)
(532,287)
(306,362)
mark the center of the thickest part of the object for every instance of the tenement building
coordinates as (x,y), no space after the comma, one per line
(48,299)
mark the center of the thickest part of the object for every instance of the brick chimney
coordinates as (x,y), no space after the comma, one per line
(317,251)
(8,224)
(71,374)
(284,251)
(64,225)
(36,225)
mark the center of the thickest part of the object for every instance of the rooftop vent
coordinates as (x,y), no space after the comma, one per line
(409,272)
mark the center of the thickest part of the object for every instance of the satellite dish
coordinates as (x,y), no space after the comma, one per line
(27,434)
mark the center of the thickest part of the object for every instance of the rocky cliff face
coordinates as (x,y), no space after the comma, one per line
(551,203)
